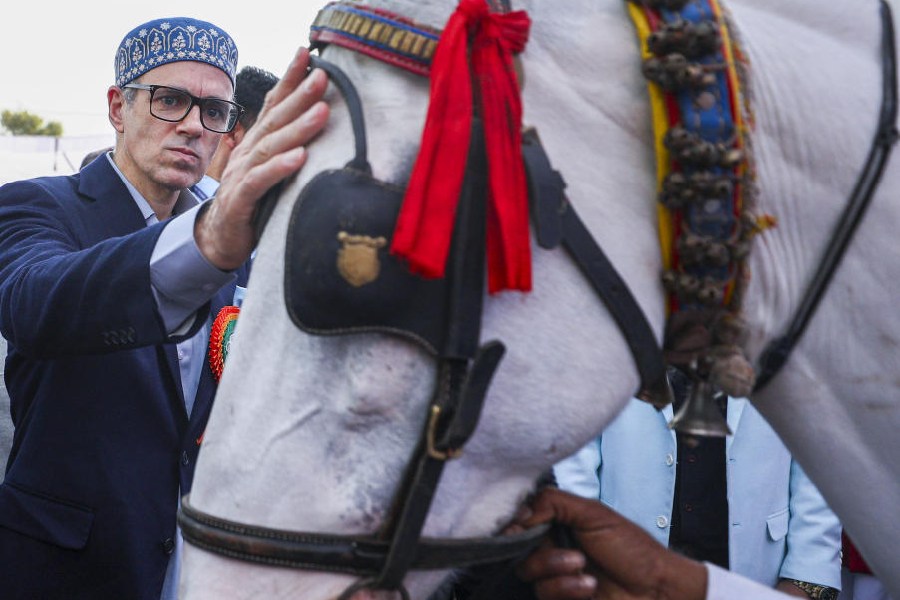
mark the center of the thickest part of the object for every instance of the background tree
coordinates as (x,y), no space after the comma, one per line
(24,123)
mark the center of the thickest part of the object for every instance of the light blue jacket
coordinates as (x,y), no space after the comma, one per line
(780,526)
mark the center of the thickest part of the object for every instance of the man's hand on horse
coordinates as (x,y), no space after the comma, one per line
(274,148)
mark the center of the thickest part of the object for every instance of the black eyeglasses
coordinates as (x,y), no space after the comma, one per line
(173,105)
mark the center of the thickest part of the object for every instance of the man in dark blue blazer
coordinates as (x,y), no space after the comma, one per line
(109,280)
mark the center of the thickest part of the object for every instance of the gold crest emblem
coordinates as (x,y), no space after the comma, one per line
(357,260)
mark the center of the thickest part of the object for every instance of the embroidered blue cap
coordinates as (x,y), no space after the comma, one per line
(174,39)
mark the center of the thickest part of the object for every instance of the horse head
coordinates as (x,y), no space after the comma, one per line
(314,433)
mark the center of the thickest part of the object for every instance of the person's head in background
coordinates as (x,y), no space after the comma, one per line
(251,86)
(92,155)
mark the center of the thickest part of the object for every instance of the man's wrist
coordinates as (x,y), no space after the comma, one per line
(219,252)
(683,578)
(816,591)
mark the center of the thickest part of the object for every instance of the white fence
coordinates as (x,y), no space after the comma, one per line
(26,156)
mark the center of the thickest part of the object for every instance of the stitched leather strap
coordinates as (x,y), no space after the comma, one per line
(339,553)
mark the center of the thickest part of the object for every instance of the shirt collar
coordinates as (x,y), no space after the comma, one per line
(205,188)
(186,200)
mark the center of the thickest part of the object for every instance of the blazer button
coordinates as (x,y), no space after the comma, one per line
(168,546)
(184,459)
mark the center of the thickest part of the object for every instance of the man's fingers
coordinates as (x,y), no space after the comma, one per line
(288,116)
(566,587)
(274,147)
(553,504)
(557,574)
(299,131)
(279,155)
(549,561)
(292,77)
(265,175)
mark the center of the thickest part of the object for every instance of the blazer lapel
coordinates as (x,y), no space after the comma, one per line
(666,414)
(734,411)
(107,197)
(170,358)
(206,389)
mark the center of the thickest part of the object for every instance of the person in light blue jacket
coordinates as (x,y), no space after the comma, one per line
(775,526)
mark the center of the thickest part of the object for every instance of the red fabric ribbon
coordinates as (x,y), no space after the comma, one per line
(425,225)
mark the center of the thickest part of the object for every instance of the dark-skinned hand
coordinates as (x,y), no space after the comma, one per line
(615,558)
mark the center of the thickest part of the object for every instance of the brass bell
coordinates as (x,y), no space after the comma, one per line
(699,415)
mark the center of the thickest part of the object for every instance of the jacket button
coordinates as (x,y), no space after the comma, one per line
(168,545)
(184,459)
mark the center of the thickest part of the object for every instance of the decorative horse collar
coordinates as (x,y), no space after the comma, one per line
(702,121)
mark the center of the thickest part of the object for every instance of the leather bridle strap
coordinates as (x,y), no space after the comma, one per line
(556,222)
(459,392)
(354,555)
(776,353)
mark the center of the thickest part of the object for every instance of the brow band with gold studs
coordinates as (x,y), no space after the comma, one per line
(376,33)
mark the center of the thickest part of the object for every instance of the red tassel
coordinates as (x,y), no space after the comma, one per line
(425,225)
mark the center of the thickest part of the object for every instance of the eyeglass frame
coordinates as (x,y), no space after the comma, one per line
(195,101)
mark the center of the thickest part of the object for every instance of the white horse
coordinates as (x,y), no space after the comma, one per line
(313,433)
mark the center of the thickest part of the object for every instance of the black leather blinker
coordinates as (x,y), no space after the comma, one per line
(339,275)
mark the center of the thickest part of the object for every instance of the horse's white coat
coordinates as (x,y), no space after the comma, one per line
(312,433)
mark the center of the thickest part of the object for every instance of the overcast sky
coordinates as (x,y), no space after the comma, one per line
(56,58)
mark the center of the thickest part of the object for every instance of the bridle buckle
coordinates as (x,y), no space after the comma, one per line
(431,435)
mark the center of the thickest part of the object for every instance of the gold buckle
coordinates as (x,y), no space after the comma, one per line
(430,437)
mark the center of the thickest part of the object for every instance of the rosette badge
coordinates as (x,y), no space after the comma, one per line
(220,338)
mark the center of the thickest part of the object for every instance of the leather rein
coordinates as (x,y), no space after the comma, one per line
(777,352)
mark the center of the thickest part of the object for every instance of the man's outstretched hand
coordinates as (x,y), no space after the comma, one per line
(274,148)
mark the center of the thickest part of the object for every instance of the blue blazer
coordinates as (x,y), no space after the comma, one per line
(103,442)
(780,526)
